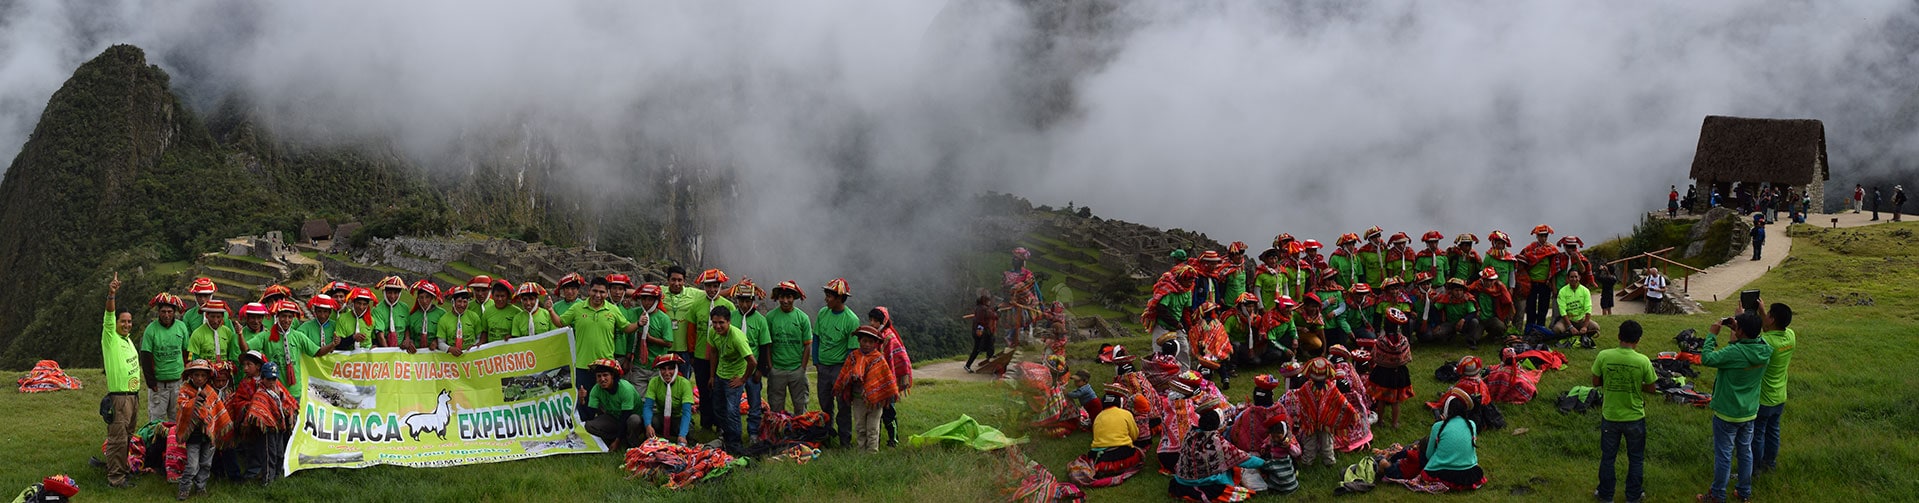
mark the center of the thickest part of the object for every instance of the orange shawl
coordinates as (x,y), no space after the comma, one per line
(876,378)
(202,410)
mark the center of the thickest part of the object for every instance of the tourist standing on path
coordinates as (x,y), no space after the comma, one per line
(1858,197)
(163,352)
(1606,281)
(985,318)
(1672,202)
(1772,390)
(123,371)
(1875,203)
(1898,201)
(1735,400)
(1655,289)
(1623,375)
(1759,234)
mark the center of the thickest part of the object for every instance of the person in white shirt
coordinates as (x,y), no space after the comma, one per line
(1655,289)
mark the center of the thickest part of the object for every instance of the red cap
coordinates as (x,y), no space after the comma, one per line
(1432,236)
(501,283)
(1346,238)
(572,278)
(1312,244)
(839,286)
(360,293)
(1374,232)
(530,288)
(337,285)
(391,283)
(1400,237)
(457,291)
(647,290)
(712,276)
(166,299)
(1209,256)
(1489,273)
(1361,287)
(280,290)
(215,305)
(791,286)
(253,308)
(323,301)
(427,287)
(620,279)
(1542,229)
(286,306)
(1238,247)
(1499,237)
(1572,241)
(481,281)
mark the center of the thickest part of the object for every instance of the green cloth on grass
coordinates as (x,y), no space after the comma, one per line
(965,431)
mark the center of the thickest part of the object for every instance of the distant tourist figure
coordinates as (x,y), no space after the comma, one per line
(1759,234)
(1655,289)
(1672,202)
(1875,203)
(1606,279)
(1858,197)
(1898,201)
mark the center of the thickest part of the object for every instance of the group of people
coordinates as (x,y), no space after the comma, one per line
(1898,200)
(645,357)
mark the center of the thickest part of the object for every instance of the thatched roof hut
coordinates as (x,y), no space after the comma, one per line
(1778,152)
(316,230)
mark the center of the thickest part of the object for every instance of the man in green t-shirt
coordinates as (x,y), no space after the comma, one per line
(833,330)
(710,282)
(458,328)
(215,342)
(746,295)
(670,394)
(731,359)
(679,302)
(355,323)
(1735,400)
(614,407)
(569,292)
(423,318)
(122,362)
(1622,374)
(529,319)
(389,315)
(163,356)
(790,351)
(598,328)
(1575,311)
(655,338)
(1772,390)
(499,313)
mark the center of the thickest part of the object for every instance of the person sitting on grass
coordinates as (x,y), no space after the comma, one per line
(1447,459)
(1207,461)
(1575,311)
(618,421)
(670,394)
(1115,455)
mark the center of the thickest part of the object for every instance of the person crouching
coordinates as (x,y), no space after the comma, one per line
(618,405)
(670,394)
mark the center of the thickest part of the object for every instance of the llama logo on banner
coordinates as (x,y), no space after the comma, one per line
(501,401)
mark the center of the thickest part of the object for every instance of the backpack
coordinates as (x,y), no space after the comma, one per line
(1446,372)
(1579,399)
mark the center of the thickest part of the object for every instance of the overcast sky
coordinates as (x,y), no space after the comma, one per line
(1241,119)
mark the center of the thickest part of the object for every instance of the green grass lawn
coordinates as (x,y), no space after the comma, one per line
(1849,427)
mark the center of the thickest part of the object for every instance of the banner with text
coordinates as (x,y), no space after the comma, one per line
(497,402)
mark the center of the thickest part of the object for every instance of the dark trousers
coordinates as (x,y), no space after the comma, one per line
(1757,244)
(709,386)
(890,418)
(981,345)
(1610,433)
(729,412)
(268,455)
(1765,436)
(583,380)
(1539,301)
(830,403)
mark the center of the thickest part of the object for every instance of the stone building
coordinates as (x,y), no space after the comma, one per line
(1773,152)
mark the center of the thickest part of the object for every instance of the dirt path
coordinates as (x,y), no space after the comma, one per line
(1725,280)
(953,371)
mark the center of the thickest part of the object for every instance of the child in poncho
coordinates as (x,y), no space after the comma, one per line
(265,412)
(1213,349)
(867,382)
(1320,411)
(203,425)
(1391,381)
(1263,429)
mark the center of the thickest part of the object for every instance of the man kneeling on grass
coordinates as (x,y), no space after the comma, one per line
(618,406)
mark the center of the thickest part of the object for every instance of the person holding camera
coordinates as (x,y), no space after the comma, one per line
(1741,368)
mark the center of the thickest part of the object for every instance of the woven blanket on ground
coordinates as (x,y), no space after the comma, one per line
(1508,383)
(965,431)
(46,376)
(780,428)
(674,466)
(1023,480)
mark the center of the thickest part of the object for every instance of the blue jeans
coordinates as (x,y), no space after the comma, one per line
(1729,440)
(729,412)
(1610,433)
(1765,436)
(754,407)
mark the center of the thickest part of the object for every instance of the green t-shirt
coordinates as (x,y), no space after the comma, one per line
(535,323)
(623,399)
(705,308)
(732,350)
(390,318)
(833,334)
(658,324)
(1268,285)
(122,360)
(1283,335)
(754,324)
(560,306)
(790,334)
(499,321)
(284,353)
(1623,372)
(1172,311)
(169,346)
(464,328)
(1575,301)
(205,341)
(685,316)
(1773,390)
(424,322)
(596,332)
(348,323)
(657,388)
(322,334)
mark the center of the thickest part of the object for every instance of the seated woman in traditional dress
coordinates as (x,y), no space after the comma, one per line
(1115,454)
(1446,460)
(1207,462)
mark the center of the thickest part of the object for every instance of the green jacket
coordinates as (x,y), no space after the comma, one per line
(1742,368)
(1773,391)
(1372,263)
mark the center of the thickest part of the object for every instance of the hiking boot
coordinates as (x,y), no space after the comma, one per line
(96,462)
(180,495)
(1707,498)
(1743,498)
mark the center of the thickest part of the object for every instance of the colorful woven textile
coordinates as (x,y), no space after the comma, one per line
(46,376)
(674,466)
